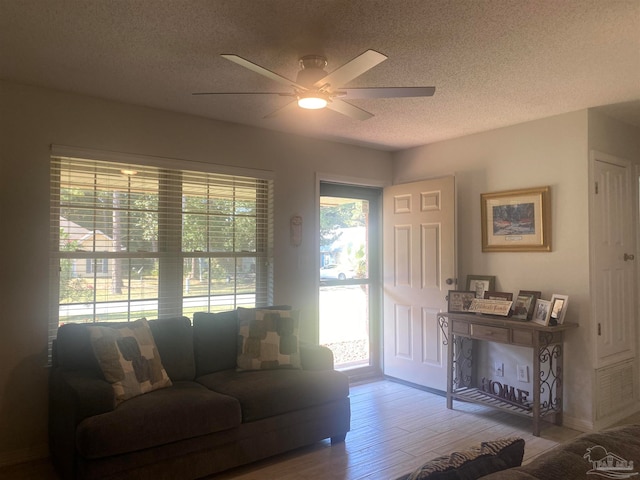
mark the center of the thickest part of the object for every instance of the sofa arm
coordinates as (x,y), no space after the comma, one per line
(73,396)
(315,357)
(89,395)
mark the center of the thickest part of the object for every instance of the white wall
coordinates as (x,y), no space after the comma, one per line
(613,137)
(554,152)
(31,119)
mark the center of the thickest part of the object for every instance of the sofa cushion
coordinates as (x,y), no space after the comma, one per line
(73,350)
(266,393)
(129,359)
(268,339)
(184,410)
(474,463)
(174,339)
(215,340)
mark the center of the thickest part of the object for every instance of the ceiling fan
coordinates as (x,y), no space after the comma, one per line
(314,88)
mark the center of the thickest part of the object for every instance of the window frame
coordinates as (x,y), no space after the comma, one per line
(170,253)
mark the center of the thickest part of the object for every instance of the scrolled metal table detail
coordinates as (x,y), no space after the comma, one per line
(444,325)
(550,381)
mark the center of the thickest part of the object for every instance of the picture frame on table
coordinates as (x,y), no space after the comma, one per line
(542,312)
(459,301)
(498,296)
(523,307)
(536,295)
(481,284)
(558,309)
(516,220)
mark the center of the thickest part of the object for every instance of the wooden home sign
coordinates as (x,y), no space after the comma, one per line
(505,393)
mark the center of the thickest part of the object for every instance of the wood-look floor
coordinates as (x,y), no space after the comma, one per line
(394,429)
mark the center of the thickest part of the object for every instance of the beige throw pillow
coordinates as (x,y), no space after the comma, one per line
(268,339)
(129,359)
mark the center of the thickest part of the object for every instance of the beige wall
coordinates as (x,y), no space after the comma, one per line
(555,152)
(32,119)
(551,151)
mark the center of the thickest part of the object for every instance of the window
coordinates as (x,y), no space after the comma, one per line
(130,240)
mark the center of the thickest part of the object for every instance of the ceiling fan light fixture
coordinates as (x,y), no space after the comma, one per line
(312,101)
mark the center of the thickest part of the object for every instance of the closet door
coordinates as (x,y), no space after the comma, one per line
(613,258)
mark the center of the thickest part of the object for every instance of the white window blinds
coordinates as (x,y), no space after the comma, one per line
(131,240)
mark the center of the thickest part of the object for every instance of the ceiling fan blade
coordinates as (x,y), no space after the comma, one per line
(262,71)
(352,69)
(282,94)
(387,92)
(289,106)
(348,110)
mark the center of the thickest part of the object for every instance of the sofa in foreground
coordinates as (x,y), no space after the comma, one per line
(611,453)
(181,407)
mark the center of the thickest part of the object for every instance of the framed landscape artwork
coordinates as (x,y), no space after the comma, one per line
(516,220)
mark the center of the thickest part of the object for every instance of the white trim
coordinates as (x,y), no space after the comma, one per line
(162,162)
(347,180)
(575,423)
(636,215)
(616,417)
(605,157)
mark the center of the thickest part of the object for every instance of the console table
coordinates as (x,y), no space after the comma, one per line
(462,330)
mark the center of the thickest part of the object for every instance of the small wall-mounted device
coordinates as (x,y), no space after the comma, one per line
(523,373)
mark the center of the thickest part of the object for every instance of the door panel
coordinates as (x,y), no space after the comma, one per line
(402,252)
(430,249)
(612,236)
(418,253)
(403,332)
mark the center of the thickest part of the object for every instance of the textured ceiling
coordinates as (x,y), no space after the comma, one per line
(493,62)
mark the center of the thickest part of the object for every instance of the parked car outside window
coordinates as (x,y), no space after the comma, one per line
(336,272)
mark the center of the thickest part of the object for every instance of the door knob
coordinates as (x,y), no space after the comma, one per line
(628,256)
(450,281)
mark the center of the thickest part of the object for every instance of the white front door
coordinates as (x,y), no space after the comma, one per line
(613,253)
(419,269)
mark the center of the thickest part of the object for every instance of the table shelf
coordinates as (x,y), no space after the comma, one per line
(476,395)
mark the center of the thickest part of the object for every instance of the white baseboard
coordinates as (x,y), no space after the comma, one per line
(29,454)
(590,426)
(577,423)
(618,416)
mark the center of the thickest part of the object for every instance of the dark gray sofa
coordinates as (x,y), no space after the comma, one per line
(211,419)
(611,453)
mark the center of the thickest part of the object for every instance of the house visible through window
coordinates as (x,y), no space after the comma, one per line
(132,240)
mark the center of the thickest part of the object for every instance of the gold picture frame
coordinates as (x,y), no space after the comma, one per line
(516,220)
